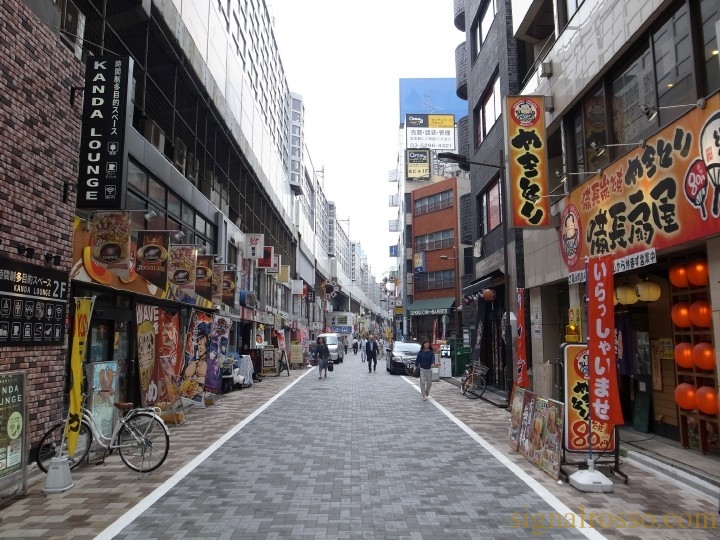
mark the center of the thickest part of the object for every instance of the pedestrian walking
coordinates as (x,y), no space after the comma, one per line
(345,343)
(363,345)
(355,346)
(424,362)
(371,353)
(323,355)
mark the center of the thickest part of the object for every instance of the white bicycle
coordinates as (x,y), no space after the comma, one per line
(140,436)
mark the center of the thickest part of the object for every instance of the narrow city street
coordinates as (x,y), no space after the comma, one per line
(356,455)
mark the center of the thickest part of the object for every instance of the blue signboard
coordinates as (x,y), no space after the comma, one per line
(341,329)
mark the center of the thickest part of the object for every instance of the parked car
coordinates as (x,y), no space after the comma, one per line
(334,343)
(401,352)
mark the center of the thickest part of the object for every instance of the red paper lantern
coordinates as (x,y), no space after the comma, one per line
(684,355)
(697,273)
(700,314)
(488,295)
(685,396)
(678,276)
(680,315)
(703,356)
(706,399)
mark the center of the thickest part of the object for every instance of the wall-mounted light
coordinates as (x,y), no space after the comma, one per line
(54,257)
(178,236)
(28,251)
(599,149)
(651,112)
(231,267)
(549,103)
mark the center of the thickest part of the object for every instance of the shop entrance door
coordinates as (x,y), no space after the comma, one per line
(109,344)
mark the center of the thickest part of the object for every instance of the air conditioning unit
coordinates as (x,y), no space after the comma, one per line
(73,28)
(152,132)
(180,155)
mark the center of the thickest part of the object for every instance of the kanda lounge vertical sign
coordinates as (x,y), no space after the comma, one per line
(103,156)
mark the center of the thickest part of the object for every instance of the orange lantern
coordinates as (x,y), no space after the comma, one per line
(684,355)
(678,276)
(700,314)
(680,315)
(703,356)
(685,396)
(706,399)
(697,273)
(488,295)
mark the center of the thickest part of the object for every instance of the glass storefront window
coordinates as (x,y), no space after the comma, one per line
(631,88)
(137,178)
(100,335)
(672,45)
(156,192)
(595,127)
(710,13)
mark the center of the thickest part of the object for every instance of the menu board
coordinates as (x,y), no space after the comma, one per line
(516,414)
(526,425)
(33,304)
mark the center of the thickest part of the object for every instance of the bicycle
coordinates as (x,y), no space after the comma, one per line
(410,368)
(140,436)
(473,382)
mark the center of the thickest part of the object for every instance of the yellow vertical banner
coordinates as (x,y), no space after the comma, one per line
(83,312)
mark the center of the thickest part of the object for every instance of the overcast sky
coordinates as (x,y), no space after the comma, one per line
(346,61)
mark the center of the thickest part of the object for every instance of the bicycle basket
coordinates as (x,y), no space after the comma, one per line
(480,369)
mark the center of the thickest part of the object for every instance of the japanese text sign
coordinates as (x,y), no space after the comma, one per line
(604,396)
(527,156)
(662,194)
(255,244)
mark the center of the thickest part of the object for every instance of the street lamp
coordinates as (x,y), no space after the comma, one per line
(464,163)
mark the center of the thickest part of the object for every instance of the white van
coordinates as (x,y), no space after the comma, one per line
(334,344)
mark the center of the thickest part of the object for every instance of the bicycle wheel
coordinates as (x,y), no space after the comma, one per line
(477,389)
(143,442)
(463,385)
(51,441)
(410,368)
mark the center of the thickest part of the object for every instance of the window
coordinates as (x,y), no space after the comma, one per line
(442,279)
(672,49)
(435,240)
(435,202)
(568,8)
(492,106)
(631,88)
(491,215)
(481,27)
(709,13)
(487,111)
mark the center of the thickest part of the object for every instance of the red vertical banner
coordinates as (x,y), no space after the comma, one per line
(604,395)
(522,369)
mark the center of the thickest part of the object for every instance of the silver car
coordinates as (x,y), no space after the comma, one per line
(334,344)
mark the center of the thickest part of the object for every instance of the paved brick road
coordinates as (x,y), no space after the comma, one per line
(355,455)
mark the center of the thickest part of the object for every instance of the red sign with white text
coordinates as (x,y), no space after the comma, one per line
(603,384)
(522,374)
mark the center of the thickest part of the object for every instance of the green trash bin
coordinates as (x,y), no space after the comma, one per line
(461,360)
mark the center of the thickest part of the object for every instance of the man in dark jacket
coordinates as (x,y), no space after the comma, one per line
(371,353)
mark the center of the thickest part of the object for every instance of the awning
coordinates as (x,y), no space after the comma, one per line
(493,279)
(432,306)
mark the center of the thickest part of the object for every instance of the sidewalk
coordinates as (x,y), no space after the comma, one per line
(103,493)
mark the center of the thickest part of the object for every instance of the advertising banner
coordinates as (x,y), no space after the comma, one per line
(255,244)
(147,320)
(603,383)
(102,156)
(577,398)
(527,158)
(110,242)
(197,355)
(168,352)
(522,374)
(516,415)
(417,163)
(219,340)
(33,304)
(228,288)
(546,436)
(266,260)
(83,314)
(275,266)
(13,423)
(433,131)
(104,395)
(181,269)
(152,257)
(526,426)
(204,276)
(217,283)
(419,262)
(664,193)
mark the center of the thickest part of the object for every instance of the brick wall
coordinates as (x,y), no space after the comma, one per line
(39,138)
